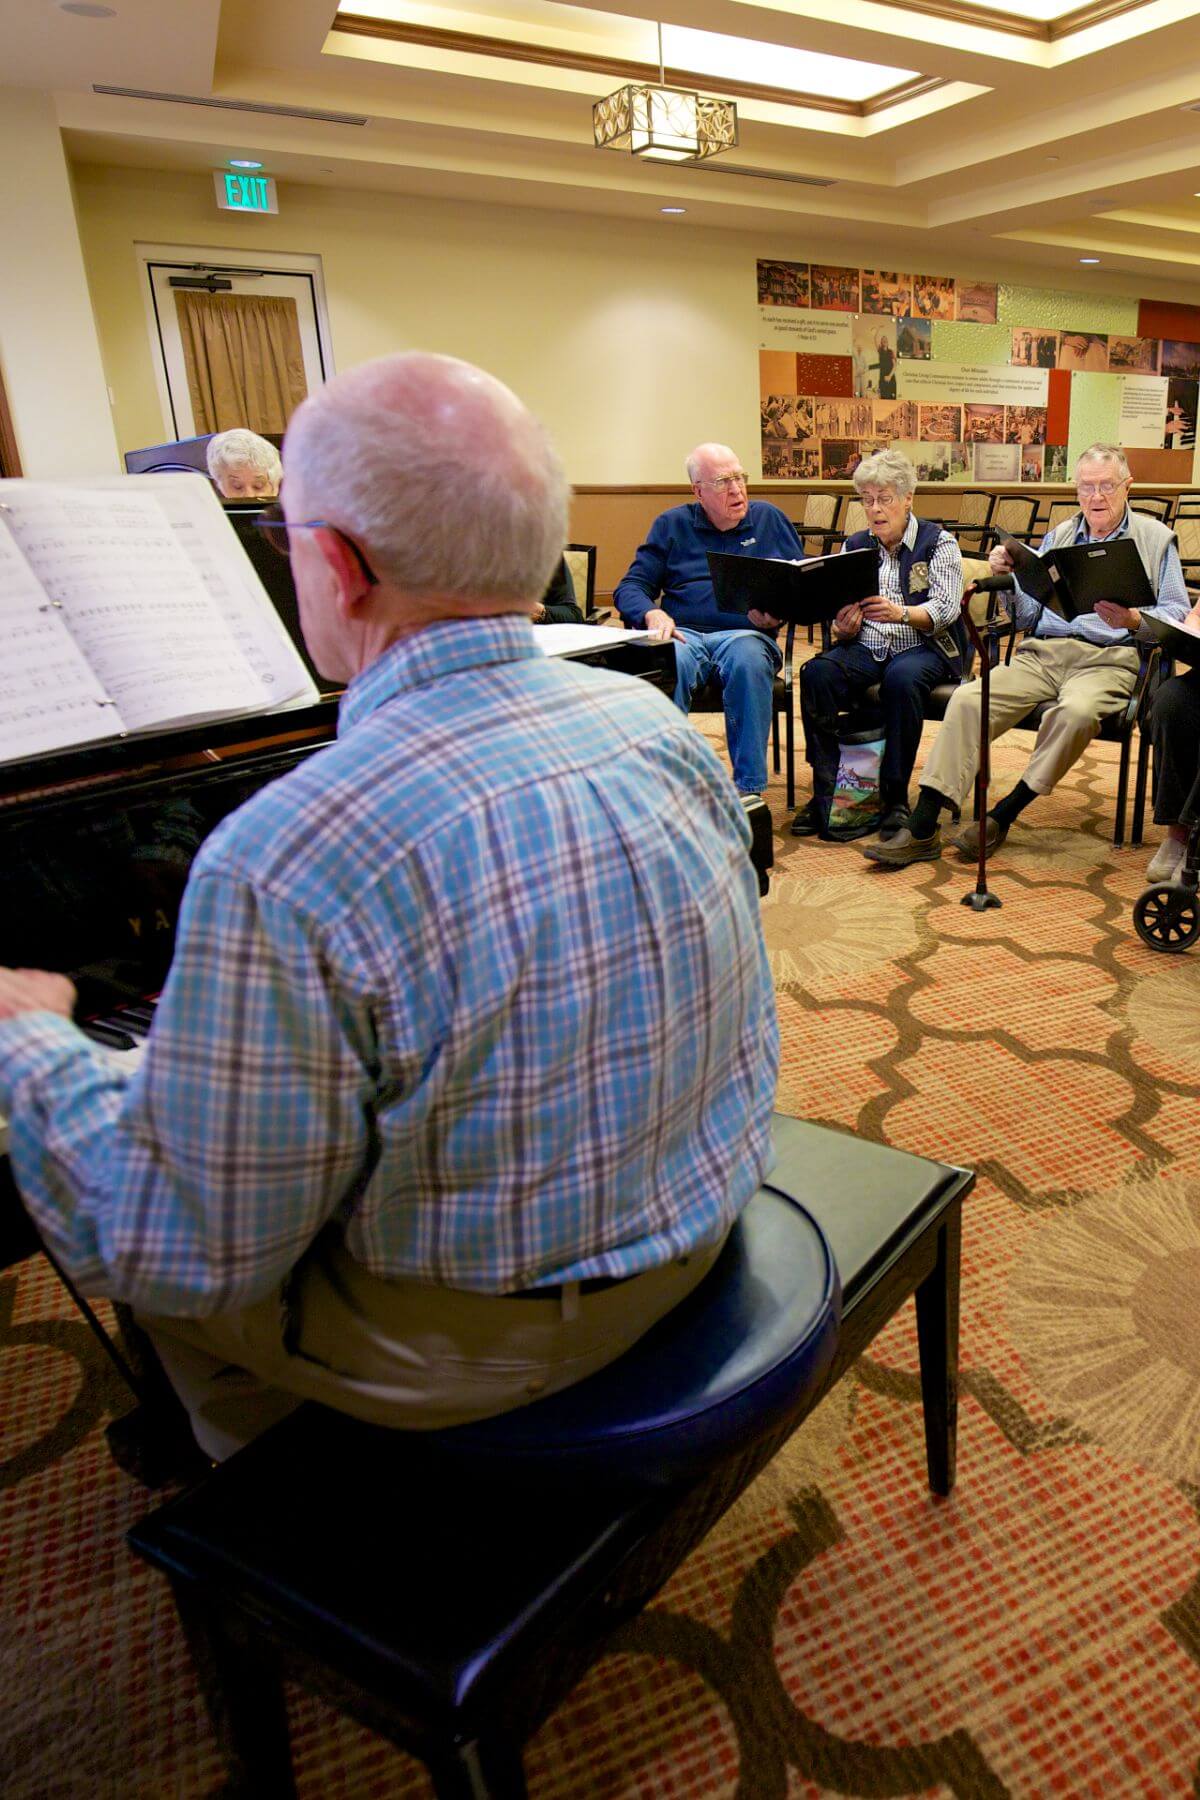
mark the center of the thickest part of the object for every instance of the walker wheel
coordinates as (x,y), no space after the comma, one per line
(1167,918)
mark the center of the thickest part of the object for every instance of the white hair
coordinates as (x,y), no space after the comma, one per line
(439,472)
(240,449)
(886,468)
(1110,453)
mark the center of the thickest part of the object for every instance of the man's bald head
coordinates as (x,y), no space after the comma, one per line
(438,472)
(719,484)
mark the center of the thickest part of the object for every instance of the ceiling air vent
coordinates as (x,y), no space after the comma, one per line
(749,174)
(239,106)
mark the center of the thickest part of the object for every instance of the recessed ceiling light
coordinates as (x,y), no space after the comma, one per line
(84,9)
(673,209)
(243,162)
(1053,159)
(1089,259)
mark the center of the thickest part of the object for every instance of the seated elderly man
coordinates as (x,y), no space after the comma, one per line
(738,648)
(1084,667)
(905,639)
(406,1139)
(243,465)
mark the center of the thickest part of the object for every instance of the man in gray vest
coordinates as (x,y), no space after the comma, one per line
(1083,667)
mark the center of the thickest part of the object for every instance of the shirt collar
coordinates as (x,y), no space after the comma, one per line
(1121,530)
(446,648)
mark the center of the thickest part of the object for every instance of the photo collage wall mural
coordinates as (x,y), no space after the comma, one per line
(974,381)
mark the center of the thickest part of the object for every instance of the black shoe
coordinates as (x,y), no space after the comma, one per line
(894,819)
(809,821)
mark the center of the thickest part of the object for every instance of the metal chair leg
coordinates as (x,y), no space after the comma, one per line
(1122,793)
(1145,749)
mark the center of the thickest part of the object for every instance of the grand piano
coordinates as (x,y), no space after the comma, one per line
(96,844)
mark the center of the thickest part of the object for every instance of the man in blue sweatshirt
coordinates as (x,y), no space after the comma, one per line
(667,591)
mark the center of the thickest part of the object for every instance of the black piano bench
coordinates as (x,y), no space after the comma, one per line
(448,1589)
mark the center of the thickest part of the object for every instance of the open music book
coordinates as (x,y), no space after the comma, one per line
(799,592)
(1071,579)
(1180,642)
(128,605)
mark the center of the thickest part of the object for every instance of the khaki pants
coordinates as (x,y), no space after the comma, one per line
(400,1353)
(1083,682)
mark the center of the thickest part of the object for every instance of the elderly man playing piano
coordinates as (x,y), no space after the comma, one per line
(409,1138)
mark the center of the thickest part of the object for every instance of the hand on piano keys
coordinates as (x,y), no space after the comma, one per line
(122,1032)
(35,990)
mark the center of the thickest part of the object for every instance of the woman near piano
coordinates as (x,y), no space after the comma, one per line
(243,466)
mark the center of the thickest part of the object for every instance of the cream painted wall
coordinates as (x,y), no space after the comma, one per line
(633,341)
(48,348)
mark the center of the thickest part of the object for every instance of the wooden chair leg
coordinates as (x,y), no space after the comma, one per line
(937,1338)
(479,1771)
(245,1700)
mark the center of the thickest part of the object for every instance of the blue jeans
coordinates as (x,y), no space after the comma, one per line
(745,664)
(828,684)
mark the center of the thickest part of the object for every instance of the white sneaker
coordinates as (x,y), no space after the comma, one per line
(1167,860)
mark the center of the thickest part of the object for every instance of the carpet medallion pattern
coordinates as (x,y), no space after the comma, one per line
(840,1632)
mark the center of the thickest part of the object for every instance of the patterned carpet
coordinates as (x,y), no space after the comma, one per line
(840,1632)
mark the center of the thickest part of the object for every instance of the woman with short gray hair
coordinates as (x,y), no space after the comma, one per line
(243,465)
(903,640)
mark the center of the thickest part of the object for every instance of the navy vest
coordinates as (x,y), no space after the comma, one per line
(951,642)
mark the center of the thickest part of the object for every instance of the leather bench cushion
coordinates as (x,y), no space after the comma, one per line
(868,1199)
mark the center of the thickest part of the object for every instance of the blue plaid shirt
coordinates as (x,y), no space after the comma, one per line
(484,981)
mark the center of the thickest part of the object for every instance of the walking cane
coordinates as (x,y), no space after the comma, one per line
(981,900)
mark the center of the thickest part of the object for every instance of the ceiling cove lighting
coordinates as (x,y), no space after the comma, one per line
(664,124)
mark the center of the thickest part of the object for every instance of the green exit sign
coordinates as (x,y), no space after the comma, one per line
(245,193)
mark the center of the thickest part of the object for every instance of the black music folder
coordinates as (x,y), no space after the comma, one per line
(1177,643)
(1072,579)
(801,593)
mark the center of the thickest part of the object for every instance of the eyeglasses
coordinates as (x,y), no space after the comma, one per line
(1086,489)
(739,478)
(275,528)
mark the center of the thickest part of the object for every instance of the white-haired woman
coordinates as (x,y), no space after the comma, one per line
(243,465)
(904,639)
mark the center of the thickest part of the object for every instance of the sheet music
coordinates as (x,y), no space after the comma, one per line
(49,698)
(199,523)
(571,640)
(132,601)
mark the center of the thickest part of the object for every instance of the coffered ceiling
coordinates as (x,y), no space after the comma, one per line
(1034,131)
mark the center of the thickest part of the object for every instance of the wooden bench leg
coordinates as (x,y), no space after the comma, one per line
(245,1700)
(477,1770)
(937,1337)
